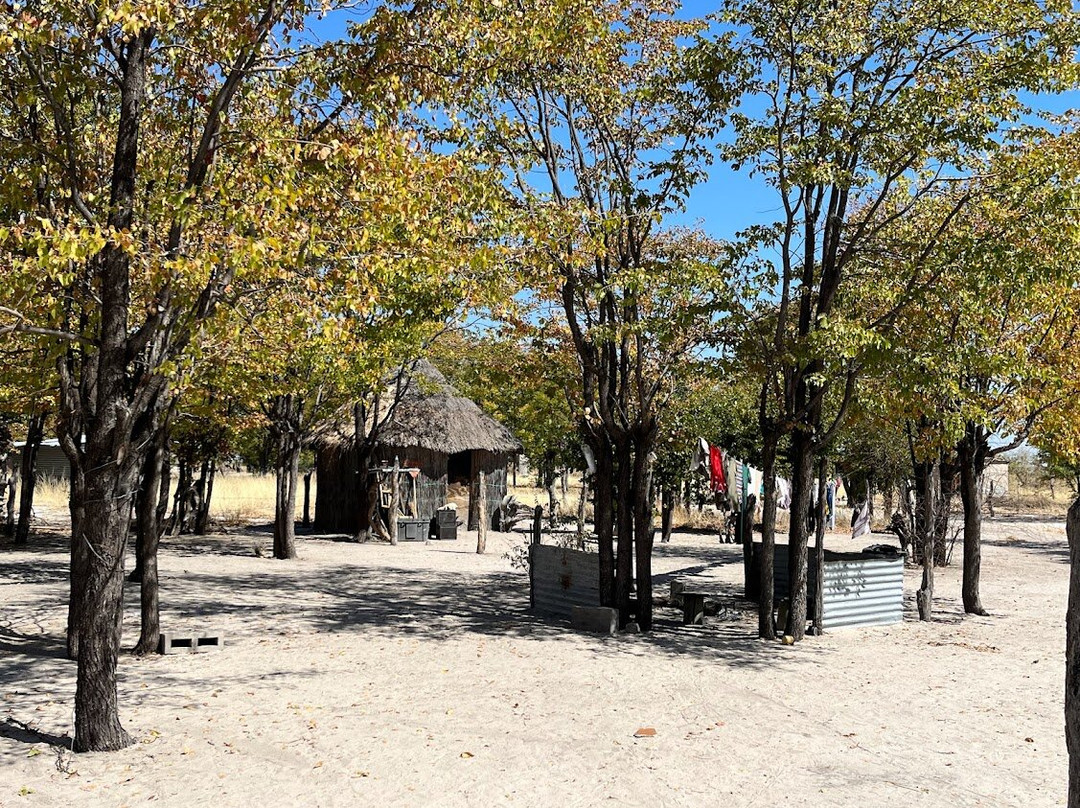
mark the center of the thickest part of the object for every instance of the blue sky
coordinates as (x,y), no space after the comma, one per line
(728,201)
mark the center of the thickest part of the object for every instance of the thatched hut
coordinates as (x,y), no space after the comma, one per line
(447,437)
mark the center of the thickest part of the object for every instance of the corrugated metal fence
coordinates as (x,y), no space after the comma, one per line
(560,579)
(864,591)
(861,589)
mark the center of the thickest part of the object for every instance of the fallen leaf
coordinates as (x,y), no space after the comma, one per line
(645,732)
(467,754)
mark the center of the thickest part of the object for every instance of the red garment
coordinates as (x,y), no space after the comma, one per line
(716,471)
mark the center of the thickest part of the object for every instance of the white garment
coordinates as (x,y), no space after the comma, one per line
(783,494)
(699,463)
(757,477)
(590,459)
(860,524)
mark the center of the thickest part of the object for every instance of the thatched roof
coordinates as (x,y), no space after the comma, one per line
(430,414)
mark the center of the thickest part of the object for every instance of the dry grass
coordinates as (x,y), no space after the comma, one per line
(239,497)
(51,494)
(242,498)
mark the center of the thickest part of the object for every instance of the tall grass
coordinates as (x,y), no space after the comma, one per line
(242,498)
(238,498)
(51,494)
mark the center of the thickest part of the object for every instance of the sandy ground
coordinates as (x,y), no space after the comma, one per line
(413,675)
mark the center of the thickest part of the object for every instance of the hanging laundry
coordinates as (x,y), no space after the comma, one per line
(717,478)
(757,480)
(860,520)
(738,496)
(783,494)
(733,475)
(699,463)
(590,459)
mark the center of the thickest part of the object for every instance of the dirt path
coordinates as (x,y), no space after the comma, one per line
(413,675)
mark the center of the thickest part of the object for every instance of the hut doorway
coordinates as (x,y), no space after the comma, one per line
(459,468)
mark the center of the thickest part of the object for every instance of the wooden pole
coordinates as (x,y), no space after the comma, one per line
(481,528)
(392,517)
(581,512)
(538,521)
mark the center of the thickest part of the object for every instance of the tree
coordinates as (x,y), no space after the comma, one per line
(712,400)
(595,104)
(859,112)
(993,342)
(139,197)
(523,375)
(29,389)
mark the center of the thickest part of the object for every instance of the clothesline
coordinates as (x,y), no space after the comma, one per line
(734,481)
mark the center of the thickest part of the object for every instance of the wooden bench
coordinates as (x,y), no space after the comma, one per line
(693,608)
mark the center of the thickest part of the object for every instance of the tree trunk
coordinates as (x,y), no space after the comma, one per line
(1072,656)
(285,506)
(35,431)
(971,453)
(746,531)
(642,499)
(667,510)
(970,493)
(307,499)
(604,518)
(798,533)
(482,523)
(553,502)
(205,489)
(925,474)
(178,519)
(104,532)
(367,494)
(165,490)
(582,500)
(9,504)
(287,415)
(766,624)
(624,517)
(819,550)
(945,488)
(149,529)
(77,574)
(6,475)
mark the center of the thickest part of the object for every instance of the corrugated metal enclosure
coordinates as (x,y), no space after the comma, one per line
(560,579)
(861,589)
(52,463)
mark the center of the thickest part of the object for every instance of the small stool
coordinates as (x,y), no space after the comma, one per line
(693,608)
